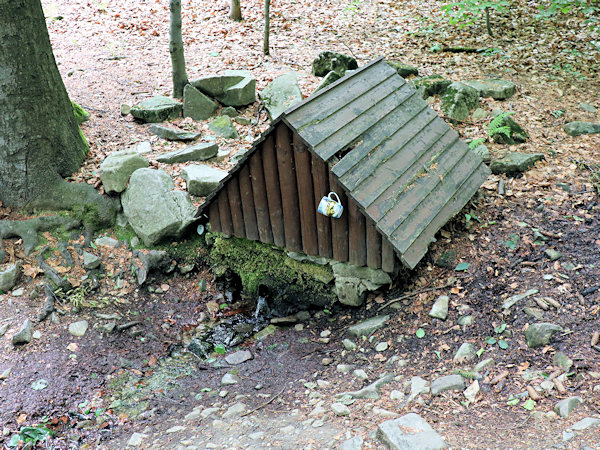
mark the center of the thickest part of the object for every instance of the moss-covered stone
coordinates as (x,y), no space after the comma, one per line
(431,85)
(81,115)
(291,284)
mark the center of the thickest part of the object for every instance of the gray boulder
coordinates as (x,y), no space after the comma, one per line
(515,163)
(516,135)
(223,126)
(459,100)
(90,261)
(483,152)
(78,328)
(439,309)
(409,432)
(116,169)
(229,111)
(355,443)
(447,383)
(197,105)
(352,282)
(9,276)
(330,78)
(369,326)
(431,85)
(235,88)
(198,152)
(201,179)
(564,407)
(153,208)
(172,134)
(332,61)
(578,128)
(157,109)
(539,334)
(404,70)
(496,89)
(24,335)
(465,352)
(282,93)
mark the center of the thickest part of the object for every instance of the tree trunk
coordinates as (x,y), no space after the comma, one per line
(267,26)
(39,137)
(487,21)
(176,49)
(236,11)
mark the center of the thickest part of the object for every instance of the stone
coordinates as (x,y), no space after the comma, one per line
(157,109)
(142,147)
(539,334)
(466,352)
(235,88)
(332,61)
(479,114)
(176,429)
(355,443)
(459,100)
(18,292)
(229,111)
(496,89)
(352,282)
(447,383)
(553,254)
(202,179)
(418,386)
(587,107)
(344,368)
(173,134)
(197,152)
(267,331)
(483,152)
(578,128)
(235,410)
(242,121)
(25,333)
(209,413)
(4,328)
(78,328)
(564,407)
(465,321)
(197,105)
(471,392)
(229,379)
(431,85)
(515,163)
(584,424)
(439,310)
(154,209)
(281,94)
(90,261)
(385,413)
(116,169)
(516,135)
(409,432)
(81,115)
(349,345)
(223,126)
(136,439)
(239,357)
(360,374)
(371,391)
(339,409)
(125,109)
(330,78)
(381,347)
(9,276)
(106,241)
(402,69)
(5,374)
(369,326)
(483,364)
(563,361)
(514,299)
(446,259)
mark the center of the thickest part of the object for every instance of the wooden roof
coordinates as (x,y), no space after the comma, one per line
(405,167)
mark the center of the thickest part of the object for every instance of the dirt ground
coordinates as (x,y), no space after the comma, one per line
(114,53)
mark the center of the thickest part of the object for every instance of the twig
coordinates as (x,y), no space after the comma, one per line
(412,294)
(349,49)
(264,404)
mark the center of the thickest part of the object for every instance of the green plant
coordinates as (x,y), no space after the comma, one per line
(476,143)
(496,126)
(465,12)
(31,435)
(589,8)
(352,7)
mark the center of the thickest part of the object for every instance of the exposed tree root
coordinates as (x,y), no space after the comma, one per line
(28,229)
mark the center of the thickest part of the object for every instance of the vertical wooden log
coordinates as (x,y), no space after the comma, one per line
(271,175)
(321,188)
(213,217)
(388,257)
(357,246)
(259,191)
(339,227)
(235,206)
(373,246)
(224,213)
(289,189)
(248,203)
(306,198)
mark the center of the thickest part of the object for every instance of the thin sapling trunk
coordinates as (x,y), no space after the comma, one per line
(176,49)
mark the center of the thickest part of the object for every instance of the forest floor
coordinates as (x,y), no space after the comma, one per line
(115,53)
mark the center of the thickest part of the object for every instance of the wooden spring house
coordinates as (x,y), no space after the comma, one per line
(400,171)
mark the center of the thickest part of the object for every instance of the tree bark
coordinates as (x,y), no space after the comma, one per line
(267,26)
(39,137)
(235,12)
(180,78)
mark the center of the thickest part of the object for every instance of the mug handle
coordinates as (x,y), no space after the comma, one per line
(331,194)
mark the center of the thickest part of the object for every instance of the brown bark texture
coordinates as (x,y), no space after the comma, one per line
(39,137)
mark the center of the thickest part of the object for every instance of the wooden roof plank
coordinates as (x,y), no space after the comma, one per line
(324,126)
(417,250)
(380,135)
(424,192)
(323,104)
(353,130)
(401,168)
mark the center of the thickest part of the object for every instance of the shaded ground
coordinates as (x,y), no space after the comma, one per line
(112,54)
